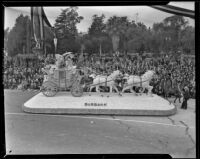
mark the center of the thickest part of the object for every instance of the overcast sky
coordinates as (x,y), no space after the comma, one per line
(146,14)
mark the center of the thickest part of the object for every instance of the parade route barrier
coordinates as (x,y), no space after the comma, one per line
(100,104)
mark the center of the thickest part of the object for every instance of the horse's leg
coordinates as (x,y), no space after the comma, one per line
(132,91)
(115,88)
(141,91)
(97,88)
(150,90)
(90,90)
(110,89)
(125,88)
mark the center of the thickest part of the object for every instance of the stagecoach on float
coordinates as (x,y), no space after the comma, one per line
(58,79)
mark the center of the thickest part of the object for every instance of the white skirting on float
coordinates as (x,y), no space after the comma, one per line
(100,103)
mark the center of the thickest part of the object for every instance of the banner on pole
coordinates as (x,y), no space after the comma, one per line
(39,21)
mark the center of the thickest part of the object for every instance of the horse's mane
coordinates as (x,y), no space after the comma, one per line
(147,74)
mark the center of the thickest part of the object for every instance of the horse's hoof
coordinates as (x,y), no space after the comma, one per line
(108,96)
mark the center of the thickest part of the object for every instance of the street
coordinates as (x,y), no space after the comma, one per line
(92,134)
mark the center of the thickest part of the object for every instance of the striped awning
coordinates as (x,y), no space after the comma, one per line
(175,10)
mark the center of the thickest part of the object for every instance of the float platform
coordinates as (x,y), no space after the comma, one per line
(100,104)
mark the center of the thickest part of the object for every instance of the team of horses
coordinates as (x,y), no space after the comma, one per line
(130,82)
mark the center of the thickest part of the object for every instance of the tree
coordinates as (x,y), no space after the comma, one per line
(98,26)
(97,32)
(6,33)
(188,40)
(17,38)
(173,26)
(138,37)
(49,43)
(159,35)
(66,30)
(66,22)
(116,27)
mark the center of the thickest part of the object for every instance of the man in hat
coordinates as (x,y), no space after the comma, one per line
(186,96)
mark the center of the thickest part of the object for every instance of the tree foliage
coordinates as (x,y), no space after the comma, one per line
(6,33)
(97,35)
(116,27)
(173,34)
(18,35)
(66,29)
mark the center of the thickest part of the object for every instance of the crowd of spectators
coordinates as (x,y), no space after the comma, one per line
(23,77)
(31,77)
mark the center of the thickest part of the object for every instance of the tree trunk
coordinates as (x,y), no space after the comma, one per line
(115,42)
(100,51)
(24,49)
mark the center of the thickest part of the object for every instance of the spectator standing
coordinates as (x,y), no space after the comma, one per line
(186,97)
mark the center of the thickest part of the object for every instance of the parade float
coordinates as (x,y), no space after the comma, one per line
(62,92)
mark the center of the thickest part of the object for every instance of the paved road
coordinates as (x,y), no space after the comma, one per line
(47,134)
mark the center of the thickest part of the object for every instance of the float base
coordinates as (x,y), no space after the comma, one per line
(100,104)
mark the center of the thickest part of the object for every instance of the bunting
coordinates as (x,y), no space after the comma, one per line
(38,21)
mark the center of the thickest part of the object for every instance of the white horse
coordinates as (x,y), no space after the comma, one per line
(108,81)
(139,81)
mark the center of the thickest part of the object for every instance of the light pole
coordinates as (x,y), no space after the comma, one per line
(55,44)
(55,40)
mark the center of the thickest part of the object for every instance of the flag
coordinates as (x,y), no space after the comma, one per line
(38,22)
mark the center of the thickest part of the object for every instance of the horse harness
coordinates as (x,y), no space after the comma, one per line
(139,82)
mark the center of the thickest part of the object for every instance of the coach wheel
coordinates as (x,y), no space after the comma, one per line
(76,90)
(49,89)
